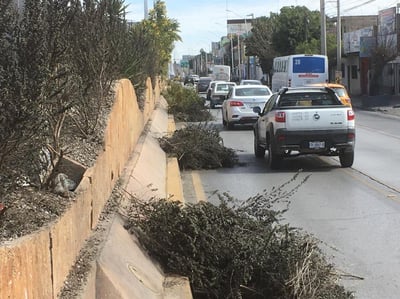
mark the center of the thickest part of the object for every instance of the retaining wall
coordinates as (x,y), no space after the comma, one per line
(36,266)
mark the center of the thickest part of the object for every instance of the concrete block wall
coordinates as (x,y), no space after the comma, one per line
(36,266)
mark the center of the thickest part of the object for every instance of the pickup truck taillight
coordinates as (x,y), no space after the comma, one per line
(350,115)
(235,103)
(280,116)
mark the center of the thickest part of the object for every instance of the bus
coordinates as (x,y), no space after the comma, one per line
(299,70)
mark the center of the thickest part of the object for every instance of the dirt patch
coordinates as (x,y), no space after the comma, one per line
(28,208)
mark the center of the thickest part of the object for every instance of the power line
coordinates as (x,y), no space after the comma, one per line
(357,6)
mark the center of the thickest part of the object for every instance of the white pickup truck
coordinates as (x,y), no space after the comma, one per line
(305,120)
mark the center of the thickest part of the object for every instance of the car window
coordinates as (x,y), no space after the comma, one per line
(223,87)
(308,99)
(239,92)
(270,104)
(340,91)
(251,91)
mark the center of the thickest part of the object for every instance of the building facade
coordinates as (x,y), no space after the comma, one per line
(371,61)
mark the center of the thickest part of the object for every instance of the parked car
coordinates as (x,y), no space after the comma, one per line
(340,90)
(250,82)
(240,101)
(219,92)
(203,83)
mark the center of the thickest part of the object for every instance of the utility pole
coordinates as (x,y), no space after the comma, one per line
(146,10)
(323,27)
(239,57)
(339,41)
(232,61)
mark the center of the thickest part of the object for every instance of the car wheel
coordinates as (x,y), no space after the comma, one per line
(230,125)
(223,121)
(346,158)
(212,104)
(274,159)
(259,151)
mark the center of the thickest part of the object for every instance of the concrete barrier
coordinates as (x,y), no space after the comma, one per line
(37,265)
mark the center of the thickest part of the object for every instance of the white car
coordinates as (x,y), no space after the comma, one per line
(210,88)
(240,101)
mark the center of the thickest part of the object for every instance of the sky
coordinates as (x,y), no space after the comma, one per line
(204,21)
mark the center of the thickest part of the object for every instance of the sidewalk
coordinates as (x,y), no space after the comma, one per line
(386,104)
(372,102)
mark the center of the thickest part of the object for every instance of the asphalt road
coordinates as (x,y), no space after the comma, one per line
(354,211)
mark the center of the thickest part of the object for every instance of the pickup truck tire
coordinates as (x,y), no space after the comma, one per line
(259,151)
(274,159)
(346,158)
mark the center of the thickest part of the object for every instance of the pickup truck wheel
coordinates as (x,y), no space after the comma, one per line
(259,151)
(274,160)
(346,158)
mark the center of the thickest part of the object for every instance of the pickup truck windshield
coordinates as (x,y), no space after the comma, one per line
(308,99)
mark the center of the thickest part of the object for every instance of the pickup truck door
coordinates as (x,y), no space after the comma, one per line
(262,123)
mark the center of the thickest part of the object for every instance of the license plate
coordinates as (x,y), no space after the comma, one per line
(316,144)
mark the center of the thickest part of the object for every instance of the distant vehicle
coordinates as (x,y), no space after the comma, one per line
(299,70)
(219,92)
(203,83)
(210,88)
(191,79)
(339,89)
(250,82)
(221,72)
(240,101)
(305,120)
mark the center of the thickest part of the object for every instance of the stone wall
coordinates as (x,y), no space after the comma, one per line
(35,266)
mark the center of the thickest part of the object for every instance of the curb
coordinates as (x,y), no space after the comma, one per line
(123,269)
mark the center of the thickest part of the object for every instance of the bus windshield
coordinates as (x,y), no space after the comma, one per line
(308,64)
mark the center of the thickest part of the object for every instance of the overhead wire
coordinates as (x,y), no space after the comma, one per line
(358,5)
(348,6)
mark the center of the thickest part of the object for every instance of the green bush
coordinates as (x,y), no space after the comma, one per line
(236,249)
(185,104)
(198,147)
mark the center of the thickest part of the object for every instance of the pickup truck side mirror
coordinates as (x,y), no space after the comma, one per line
(257,110)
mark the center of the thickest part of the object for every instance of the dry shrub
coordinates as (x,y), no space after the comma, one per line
(198,146)
(237,249)
(185,104)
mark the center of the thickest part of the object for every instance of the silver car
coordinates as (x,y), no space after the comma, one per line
(240,101)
